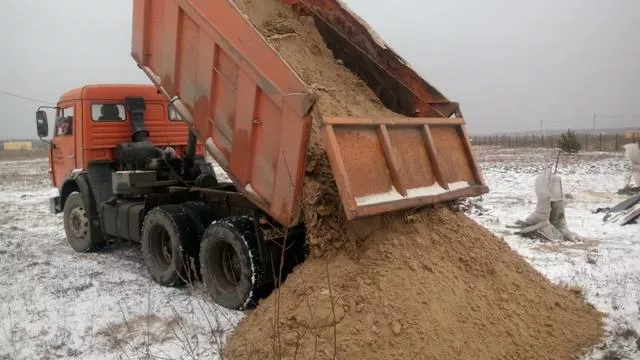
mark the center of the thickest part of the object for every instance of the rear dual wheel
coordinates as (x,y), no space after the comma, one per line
(230,263)
(171,240)
(226,253)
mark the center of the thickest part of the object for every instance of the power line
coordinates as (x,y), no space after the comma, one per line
(25,97)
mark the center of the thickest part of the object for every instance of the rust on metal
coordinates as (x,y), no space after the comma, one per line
(387,149)
(397,163)
(338,166)
(467,148)
(431,150)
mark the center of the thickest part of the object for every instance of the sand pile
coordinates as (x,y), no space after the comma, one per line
(434,286)
(427,284)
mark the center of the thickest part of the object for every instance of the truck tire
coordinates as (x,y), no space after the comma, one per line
(230,263)
(166,233)
(77,226)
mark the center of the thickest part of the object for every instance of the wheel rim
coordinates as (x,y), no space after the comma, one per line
(78,222)
(160,246)
(227,264)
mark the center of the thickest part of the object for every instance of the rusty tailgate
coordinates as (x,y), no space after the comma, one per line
(388,164)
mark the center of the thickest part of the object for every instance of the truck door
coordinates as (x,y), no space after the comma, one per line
(63,152)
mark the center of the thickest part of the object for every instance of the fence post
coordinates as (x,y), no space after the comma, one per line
(616,148)
(600,146)
(586,146)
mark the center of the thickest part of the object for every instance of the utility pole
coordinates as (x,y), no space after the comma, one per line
(594,122)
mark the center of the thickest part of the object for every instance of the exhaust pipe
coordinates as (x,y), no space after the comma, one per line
(135,106)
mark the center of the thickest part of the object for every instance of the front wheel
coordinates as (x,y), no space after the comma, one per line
(230,263)
(76,224)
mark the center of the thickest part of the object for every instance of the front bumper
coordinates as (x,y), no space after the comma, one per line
(54,205)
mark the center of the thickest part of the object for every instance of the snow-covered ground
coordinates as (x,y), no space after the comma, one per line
(606,264)
(55,303)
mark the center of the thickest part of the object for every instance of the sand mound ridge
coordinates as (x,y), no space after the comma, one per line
(423,284)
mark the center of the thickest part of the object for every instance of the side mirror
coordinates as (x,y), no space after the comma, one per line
(42,124)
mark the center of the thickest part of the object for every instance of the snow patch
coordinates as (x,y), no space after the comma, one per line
(56,303)
(394,195)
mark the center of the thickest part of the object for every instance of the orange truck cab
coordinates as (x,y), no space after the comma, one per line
(92,124)
(128,168)
(93,120)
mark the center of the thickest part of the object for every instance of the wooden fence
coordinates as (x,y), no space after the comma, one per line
(589,142)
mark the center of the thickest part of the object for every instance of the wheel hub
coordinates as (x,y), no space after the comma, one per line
(231,265)
(166,249)
(79,223)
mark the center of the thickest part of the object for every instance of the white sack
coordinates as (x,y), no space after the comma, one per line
(632,153)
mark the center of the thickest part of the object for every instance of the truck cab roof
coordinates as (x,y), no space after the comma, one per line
(112,92)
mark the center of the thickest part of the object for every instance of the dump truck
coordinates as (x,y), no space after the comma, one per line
(220,87)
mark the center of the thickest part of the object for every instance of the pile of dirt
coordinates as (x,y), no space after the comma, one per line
(431,285)
(428,284)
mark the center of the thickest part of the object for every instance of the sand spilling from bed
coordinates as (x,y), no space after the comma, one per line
(423,284)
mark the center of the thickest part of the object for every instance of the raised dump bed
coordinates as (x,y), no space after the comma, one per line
(254,113)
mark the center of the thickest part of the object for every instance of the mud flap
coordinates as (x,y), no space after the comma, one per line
(54,205)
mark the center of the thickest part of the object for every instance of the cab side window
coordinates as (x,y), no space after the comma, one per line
(108,112)
(64,121)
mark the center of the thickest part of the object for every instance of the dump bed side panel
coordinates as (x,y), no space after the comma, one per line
(353,41)
(246,105)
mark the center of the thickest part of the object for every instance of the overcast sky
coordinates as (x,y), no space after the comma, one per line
(509,63)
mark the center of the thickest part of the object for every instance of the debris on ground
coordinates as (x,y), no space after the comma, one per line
(632,153)
(625,212)
(548,221)
(629,190)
